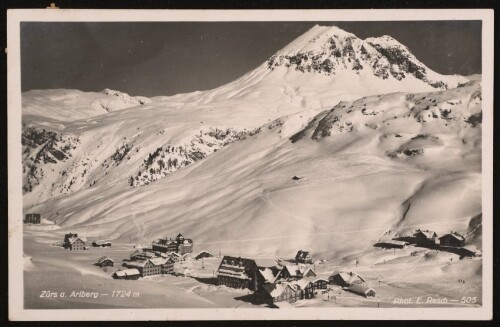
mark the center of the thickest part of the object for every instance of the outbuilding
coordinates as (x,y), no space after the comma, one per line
(362,289)
(132,274)
(105,262)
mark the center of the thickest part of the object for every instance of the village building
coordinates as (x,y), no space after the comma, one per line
(237,272)
(203,254)
(127,274)
(425,237)
(164,245)
(303,257)
(320,284)
(174,256)
(362,289)
(180,245)
(294,272)
(105,262)
(281,292)
(32,218)
(73,242)
(306,287)
(185,245)
(344,278)
(452,239)
(148,267)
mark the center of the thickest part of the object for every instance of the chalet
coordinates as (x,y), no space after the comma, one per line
(425,237)
(238,273)
(105,262)
(306,286)
(282,292)
(344,278)
(73,242)
(290,272)
(362,289)
(127,274)
(452,239)
(303,257)
(203,254)
(180,245)
(32,218)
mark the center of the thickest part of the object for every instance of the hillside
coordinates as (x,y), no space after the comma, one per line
(367,169)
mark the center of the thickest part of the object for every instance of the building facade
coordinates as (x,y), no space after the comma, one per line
(238,273)
(303,257)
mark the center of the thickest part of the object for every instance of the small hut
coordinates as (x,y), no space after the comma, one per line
(362,289)
(105,262)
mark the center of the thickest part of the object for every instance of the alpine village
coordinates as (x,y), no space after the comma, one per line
(272,282)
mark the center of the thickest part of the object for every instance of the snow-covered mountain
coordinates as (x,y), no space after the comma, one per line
(379,142)
(69,105)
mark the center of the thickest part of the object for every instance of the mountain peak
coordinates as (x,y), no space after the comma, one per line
(329,50)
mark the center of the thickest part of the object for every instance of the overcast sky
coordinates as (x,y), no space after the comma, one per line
(151,58)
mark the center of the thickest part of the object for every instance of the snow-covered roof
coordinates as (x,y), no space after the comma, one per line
(269,275)
(360,288)
(72,240)
(104,258)
(240,274)
(276,290)
(426,233)
(454,235)
(127,272)
(139,263)
(158,261)
(202,252)
(348,277)
(302,283)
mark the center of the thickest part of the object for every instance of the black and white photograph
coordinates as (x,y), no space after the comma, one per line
(267,164)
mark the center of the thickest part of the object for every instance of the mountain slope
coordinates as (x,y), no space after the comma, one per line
(367,169)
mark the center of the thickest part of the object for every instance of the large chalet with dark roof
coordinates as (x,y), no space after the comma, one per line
(237,272)
(425,237)
(452,239)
